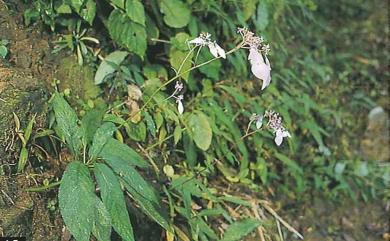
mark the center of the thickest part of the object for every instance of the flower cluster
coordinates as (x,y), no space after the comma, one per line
(179,98)
(204,39)
(257,57)
(274,122)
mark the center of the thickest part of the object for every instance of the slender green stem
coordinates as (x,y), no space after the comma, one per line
(179,75)
(43,188)
(160,40)
(185,59)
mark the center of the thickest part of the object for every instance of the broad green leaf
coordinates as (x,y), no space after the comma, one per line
(76,4)
(211,70)
(109,65)
(238,230)
(153,211)
(136,12)
(119,3)
(77,200)
(176,13)
(101,227)
(113,198)
(127,33)
(200,130)
(90,122)
(102,135)
(262,16)
(137,131)
(66,119)
(116,151)
(89,11)
(189,150)
(134,180)
(248,8)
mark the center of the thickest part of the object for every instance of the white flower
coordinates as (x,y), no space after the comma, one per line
(180,106)
(260,69)
(280,134)
(198,41)
(215,49)
(259,121)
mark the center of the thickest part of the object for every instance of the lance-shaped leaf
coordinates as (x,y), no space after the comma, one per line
(102,135)
(113,198)
(101,227)
(77,200)
(115,151)
(67,126)
(238,230)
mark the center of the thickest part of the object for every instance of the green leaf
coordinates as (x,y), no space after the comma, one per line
(88,13)
(178,54)
(200,130)
(109,65)
(76,4)
(150,124)
(90,123)
(136,12)
(291,165)
(101,227)
(238,230)
(134,180)
(113,198)
(66,119)
(153,211)
(211,70)
(28,130)
(176,13)
(102,135)
(137,131)
(77,200)
(127,33)
(23,157)
(116,151)
(3,51)
(177,134)
(262,16)
(118,3)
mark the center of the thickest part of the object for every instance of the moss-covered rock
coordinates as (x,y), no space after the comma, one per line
(78,79)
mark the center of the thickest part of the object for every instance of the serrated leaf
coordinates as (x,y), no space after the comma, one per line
(238,230)
(66,119)
(200,130)
(136,12)
(176,13)
(116,151)
(102,135)
(77,200)
(127,33)
(113,198)
(90,122)
(101,227)
(134,180)
(109,64)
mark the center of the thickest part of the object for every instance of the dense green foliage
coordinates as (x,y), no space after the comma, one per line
(213,136)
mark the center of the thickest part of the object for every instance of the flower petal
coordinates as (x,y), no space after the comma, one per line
(259,122)
(221,51)
(197,41)
(254,56)
(180,107)
(213,49)
(279,137)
